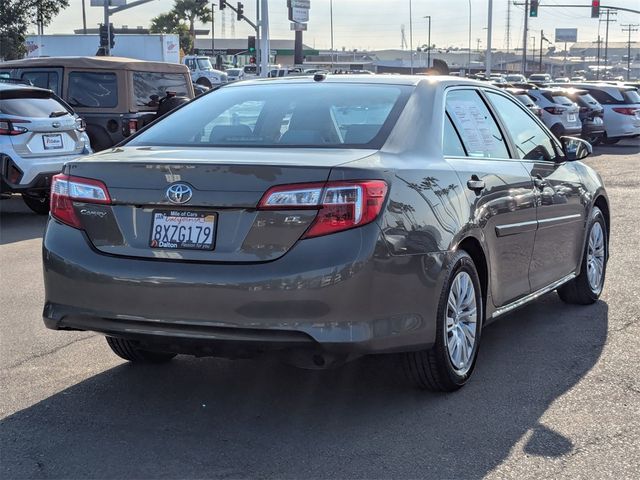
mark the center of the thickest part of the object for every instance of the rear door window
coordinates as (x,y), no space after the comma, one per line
(150,87)
(92,90)
(477,127)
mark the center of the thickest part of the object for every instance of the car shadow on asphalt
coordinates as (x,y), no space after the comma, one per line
(18,223)
(197,418)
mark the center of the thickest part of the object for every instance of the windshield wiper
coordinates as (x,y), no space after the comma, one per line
(60,113)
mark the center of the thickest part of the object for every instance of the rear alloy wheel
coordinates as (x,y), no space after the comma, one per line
(448,365)
(39,205)
(130,350)
(586,288)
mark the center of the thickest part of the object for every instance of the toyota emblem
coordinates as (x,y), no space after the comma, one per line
(55,124)
(179,193)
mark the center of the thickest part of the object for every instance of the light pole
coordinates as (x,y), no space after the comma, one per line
(469,59)
(429,43)
(411,35)
(331,21)
(489,30)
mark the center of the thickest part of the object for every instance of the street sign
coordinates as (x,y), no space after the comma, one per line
(566,35)
(299,15)
(112,3)
(298,27)
(299,4)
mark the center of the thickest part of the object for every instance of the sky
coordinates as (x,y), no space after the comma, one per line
(377,24)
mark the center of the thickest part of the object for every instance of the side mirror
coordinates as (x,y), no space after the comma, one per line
(575,148)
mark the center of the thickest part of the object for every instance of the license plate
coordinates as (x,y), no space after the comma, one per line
(572,117)
(52,141)
(179,229)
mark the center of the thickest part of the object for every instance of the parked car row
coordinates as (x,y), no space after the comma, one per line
(598,112)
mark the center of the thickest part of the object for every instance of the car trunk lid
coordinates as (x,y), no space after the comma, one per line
(226,186)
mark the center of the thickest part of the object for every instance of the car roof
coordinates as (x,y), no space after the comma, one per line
(375,79)
(111,63)
(5,87)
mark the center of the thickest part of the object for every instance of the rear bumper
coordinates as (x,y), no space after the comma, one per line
(35,172)
(340,293)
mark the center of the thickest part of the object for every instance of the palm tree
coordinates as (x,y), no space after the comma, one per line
(190,11)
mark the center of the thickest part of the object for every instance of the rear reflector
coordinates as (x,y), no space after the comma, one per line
(66,189)
(626,110)
(340,205)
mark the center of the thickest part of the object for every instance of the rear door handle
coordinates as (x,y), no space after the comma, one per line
(475,184)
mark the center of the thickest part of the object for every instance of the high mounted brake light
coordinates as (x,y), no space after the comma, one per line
(340,205)
(65,189)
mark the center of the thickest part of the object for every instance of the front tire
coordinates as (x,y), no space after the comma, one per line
(39,205)
(586,288)
(448,365)
(131,351)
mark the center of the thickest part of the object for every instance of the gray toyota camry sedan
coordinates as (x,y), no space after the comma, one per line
(324,218)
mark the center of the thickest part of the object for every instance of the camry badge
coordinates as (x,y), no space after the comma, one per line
(179,193)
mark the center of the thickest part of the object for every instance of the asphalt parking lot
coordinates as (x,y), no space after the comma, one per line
(556,392)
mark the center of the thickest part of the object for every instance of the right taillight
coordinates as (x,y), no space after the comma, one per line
(65,189)
(626,110)
(555,110)
(340,205)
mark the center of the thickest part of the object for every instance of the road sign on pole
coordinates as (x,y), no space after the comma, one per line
(298,27)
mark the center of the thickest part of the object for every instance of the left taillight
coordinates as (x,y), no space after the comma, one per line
(341,205)
(9,127)
(65,189)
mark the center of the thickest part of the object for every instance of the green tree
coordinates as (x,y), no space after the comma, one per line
(15,18)
(190,11)
(170,23)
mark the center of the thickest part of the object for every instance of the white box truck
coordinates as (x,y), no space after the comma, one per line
(162,47)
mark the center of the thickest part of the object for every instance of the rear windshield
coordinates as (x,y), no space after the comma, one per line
(525,99)
(30,104)
(588,100)
(631,96)
(296,115)
(150,87)
(561,100)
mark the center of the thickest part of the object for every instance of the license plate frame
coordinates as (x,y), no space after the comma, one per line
(58,145)
(171,238)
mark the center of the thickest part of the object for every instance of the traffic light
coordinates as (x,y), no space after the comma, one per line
(112,36)
(251,43)
(104,39)
(240,11)
(223,5)
(252,60)
(595,8)
(533,8)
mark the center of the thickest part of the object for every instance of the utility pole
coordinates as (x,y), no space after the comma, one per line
(84,18)
(598,69)
(542,38)
(606,37)
(213,31)
(533,51)
(489,32)
(429,43)
(265,47)
(525,37)
(630,27)
(507,31)
(107,24)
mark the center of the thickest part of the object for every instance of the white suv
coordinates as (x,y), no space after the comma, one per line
(39,132)
(560,114)
(621,109)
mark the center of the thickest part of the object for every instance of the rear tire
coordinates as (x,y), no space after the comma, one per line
(610,141)
(437,368)
(130,350)
(39,205)
(581,290)
(204,82)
